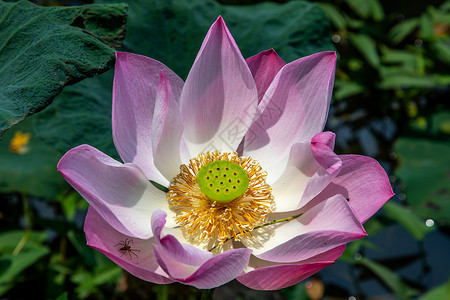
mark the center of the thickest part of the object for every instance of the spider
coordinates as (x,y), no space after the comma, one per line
(126,248)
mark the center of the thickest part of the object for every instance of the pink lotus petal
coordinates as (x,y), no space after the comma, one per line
(120,193)
(219,98)
(327,225)
(311,167)
(175,269)
(322,145)
(280,276)
(167,130)
(220,269)
(182,253)
(136,81)
(330,255)
(141,262)
(364,182)
(294,109)
(266,275)
(325,138)
(192,266)
(264,66)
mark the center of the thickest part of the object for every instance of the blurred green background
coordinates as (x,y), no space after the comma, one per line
(391,102)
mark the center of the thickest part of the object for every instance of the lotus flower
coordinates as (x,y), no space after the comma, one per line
(254,189)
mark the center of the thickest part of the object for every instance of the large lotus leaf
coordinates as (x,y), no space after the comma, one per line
(28,165)
(425,167)
(172,32)
(43,49)
(81,114)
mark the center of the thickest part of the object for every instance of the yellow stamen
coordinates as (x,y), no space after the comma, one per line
(206,220)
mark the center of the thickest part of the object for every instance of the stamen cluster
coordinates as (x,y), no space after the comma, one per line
(207,220)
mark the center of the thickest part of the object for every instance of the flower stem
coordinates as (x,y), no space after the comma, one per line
(278,221)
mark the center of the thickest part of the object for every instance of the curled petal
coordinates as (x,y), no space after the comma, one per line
(325,226)
(264,66)
(183,253)
(326,138)
(219,98)
(294,109)
(364,182)
(322,146)
(140,262)
(120,193)
(136,81)
(192,266)
(310,168)
(220,269)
